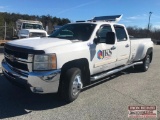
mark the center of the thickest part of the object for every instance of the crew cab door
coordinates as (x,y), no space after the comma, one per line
(104,55)
(122,45)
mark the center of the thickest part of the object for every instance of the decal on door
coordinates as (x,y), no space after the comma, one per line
(104,54)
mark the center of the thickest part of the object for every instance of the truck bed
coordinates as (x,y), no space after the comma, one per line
(138,46)
(134,38)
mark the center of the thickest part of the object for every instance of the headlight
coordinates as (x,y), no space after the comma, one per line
(45,62)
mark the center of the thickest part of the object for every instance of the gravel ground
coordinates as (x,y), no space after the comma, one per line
(107,100)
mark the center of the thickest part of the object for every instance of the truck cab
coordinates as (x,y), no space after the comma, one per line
(115,51)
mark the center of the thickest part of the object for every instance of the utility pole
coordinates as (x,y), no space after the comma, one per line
(150,13)
(5,30)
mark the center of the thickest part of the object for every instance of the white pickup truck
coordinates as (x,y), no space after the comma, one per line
(30,28)
(75,56)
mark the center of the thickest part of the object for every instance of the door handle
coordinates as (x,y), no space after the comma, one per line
(113,48)
(127,45)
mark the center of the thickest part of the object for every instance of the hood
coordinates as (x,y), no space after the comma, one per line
(33,30)
(36,30)
(39,43)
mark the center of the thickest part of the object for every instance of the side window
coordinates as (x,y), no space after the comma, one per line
(120,33)
(103,31)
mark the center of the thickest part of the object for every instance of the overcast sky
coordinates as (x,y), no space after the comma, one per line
(135,12)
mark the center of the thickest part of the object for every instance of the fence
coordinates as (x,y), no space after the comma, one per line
(7,32)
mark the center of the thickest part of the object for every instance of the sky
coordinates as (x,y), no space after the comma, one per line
(135,12)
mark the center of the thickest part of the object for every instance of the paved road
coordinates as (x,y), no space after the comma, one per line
(108,100)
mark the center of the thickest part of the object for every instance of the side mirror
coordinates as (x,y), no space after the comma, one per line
(110,38)
(96,40)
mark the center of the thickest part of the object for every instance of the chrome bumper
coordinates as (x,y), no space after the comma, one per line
(38,82)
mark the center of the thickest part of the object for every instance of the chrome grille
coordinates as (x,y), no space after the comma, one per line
(16,58)
(17,54)
(34,34)
(16,64)
(20,58)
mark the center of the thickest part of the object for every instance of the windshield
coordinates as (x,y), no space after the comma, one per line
(81,31)
(32,26)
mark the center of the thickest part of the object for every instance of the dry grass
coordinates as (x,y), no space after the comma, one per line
(2,42)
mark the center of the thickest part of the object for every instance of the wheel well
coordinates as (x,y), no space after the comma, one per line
(82,64)
(150,52)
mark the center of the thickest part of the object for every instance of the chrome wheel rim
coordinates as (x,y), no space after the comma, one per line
(77,85)
(147,62)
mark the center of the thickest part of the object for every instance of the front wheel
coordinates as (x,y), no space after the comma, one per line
(71,84)
(146,64)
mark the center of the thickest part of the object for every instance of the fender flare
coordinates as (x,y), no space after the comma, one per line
(150,52)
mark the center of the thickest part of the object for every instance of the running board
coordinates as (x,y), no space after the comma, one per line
(102,75)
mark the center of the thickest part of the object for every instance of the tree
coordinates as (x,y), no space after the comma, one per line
(144,32)
(11,18)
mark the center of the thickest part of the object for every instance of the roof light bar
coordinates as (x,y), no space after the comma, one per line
(114,18)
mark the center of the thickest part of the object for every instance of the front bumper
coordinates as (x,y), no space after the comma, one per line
(23,36)
(37,82)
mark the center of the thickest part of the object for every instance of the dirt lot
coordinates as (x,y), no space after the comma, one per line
(107,100)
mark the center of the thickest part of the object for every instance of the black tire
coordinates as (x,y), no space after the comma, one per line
(146,63)
(67,92)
